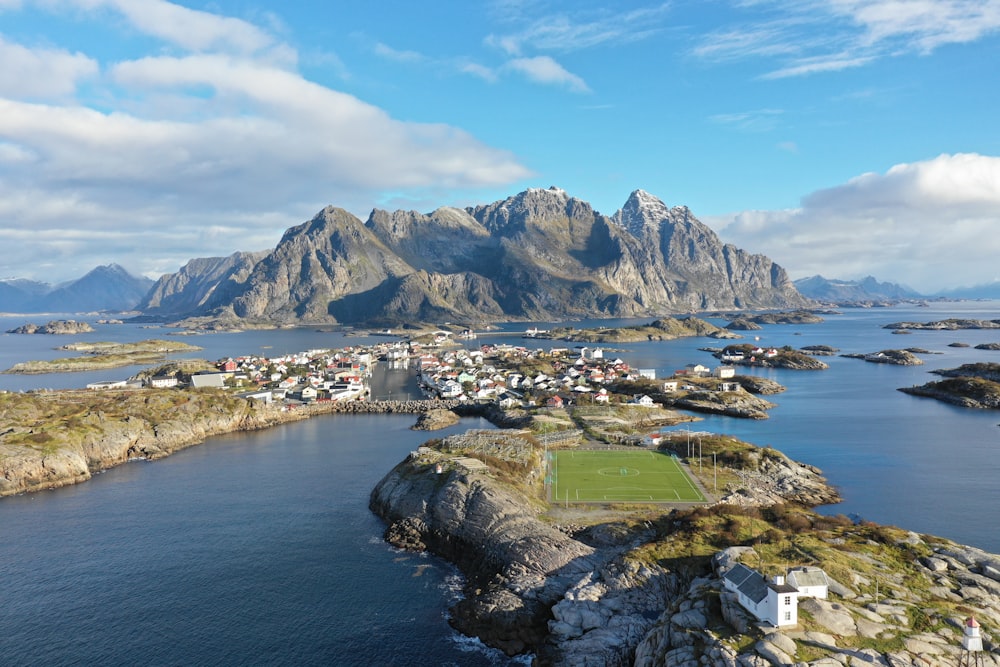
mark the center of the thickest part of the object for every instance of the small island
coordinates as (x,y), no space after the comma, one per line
(55,327)
(667,328)
(786,357)
(104,355)
(788,317)
(892,357)
(951,324)
(970,386)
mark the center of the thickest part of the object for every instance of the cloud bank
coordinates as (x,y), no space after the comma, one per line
(218,144)
(931,225)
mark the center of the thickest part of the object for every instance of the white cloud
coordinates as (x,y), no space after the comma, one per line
(197,154)
(545,70)
(563,32)
(42,73)
(815,36)
(931,224)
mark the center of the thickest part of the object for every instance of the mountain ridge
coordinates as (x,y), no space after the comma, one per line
(538,255)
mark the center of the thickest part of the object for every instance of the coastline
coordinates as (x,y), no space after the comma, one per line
(90,431)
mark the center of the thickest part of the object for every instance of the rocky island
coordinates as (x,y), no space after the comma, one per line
(970,386)
(667,328)
(950,324)
(104,355)
(56,327)
(892,357)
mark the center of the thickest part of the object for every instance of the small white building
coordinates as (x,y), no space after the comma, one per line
(724,372)
(643,401)
(811,582)
(670,386)
(774,602)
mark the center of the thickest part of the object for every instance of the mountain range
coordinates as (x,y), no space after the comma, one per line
(108,287)
(538,255)
(866,290)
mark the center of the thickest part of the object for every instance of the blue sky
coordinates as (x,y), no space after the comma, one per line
(840,137)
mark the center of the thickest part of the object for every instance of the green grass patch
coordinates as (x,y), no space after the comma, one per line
(618,476)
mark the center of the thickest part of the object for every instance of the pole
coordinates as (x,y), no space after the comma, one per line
(715,474)
(699,454)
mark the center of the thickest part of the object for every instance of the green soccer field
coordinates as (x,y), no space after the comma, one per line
(619,476)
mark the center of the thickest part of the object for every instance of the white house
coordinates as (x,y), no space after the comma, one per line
(670,386)
(774,602)
(644,401)
(811,582)
(724,372)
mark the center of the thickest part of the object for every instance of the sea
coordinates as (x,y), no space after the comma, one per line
(259,548)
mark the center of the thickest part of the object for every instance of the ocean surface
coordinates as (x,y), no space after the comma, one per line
(259,548)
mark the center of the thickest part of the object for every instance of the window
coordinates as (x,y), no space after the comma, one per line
(788,615)
(788,600)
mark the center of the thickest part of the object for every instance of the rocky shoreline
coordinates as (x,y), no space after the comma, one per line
(54,439)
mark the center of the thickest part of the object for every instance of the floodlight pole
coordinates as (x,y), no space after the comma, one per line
(715,474)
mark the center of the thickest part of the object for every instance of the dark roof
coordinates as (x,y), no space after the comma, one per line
(748,582)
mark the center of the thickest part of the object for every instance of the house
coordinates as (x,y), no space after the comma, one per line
(647,373)
(774,602)
(652,439)
(730,386)
(554,402)
(162,381)
(602,396)
(697,370)
(724,372)
(643,401)
(811,582)
(670,386)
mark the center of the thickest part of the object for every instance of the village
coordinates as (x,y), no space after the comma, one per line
(509,376)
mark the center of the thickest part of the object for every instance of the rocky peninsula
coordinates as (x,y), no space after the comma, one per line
(891,357)
(642,585)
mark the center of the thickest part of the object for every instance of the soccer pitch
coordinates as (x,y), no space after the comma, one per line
(619,476)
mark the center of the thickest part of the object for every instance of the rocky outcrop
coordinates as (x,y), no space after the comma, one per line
(967,392)
(517,566)
(539,255)
(433,420)
(740,404)
(892,357)
(58,327)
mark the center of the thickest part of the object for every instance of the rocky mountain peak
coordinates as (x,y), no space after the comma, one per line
(642,211)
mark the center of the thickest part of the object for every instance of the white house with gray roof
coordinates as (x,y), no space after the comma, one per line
(810,581)
(774,602)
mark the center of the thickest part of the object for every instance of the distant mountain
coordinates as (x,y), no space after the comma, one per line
(539,255)
(867,290)
(110,288)
(982,291)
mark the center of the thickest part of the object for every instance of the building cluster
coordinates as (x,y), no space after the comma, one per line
(775,600)
(312,375)
(488,374)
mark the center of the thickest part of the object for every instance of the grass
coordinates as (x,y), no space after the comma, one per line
(615,476)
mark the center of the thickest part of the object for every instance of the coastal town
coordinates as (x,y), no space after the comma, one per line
(506,375)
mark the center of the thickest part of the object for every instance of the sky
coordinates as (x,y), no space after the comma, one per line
(843,138)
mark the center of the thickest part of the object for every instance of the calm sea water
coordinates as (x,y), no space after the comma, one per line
(259,548)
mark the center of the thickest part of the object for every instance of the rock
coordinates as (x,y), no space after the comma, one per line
(435,419)
(772,653)
(830,616)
